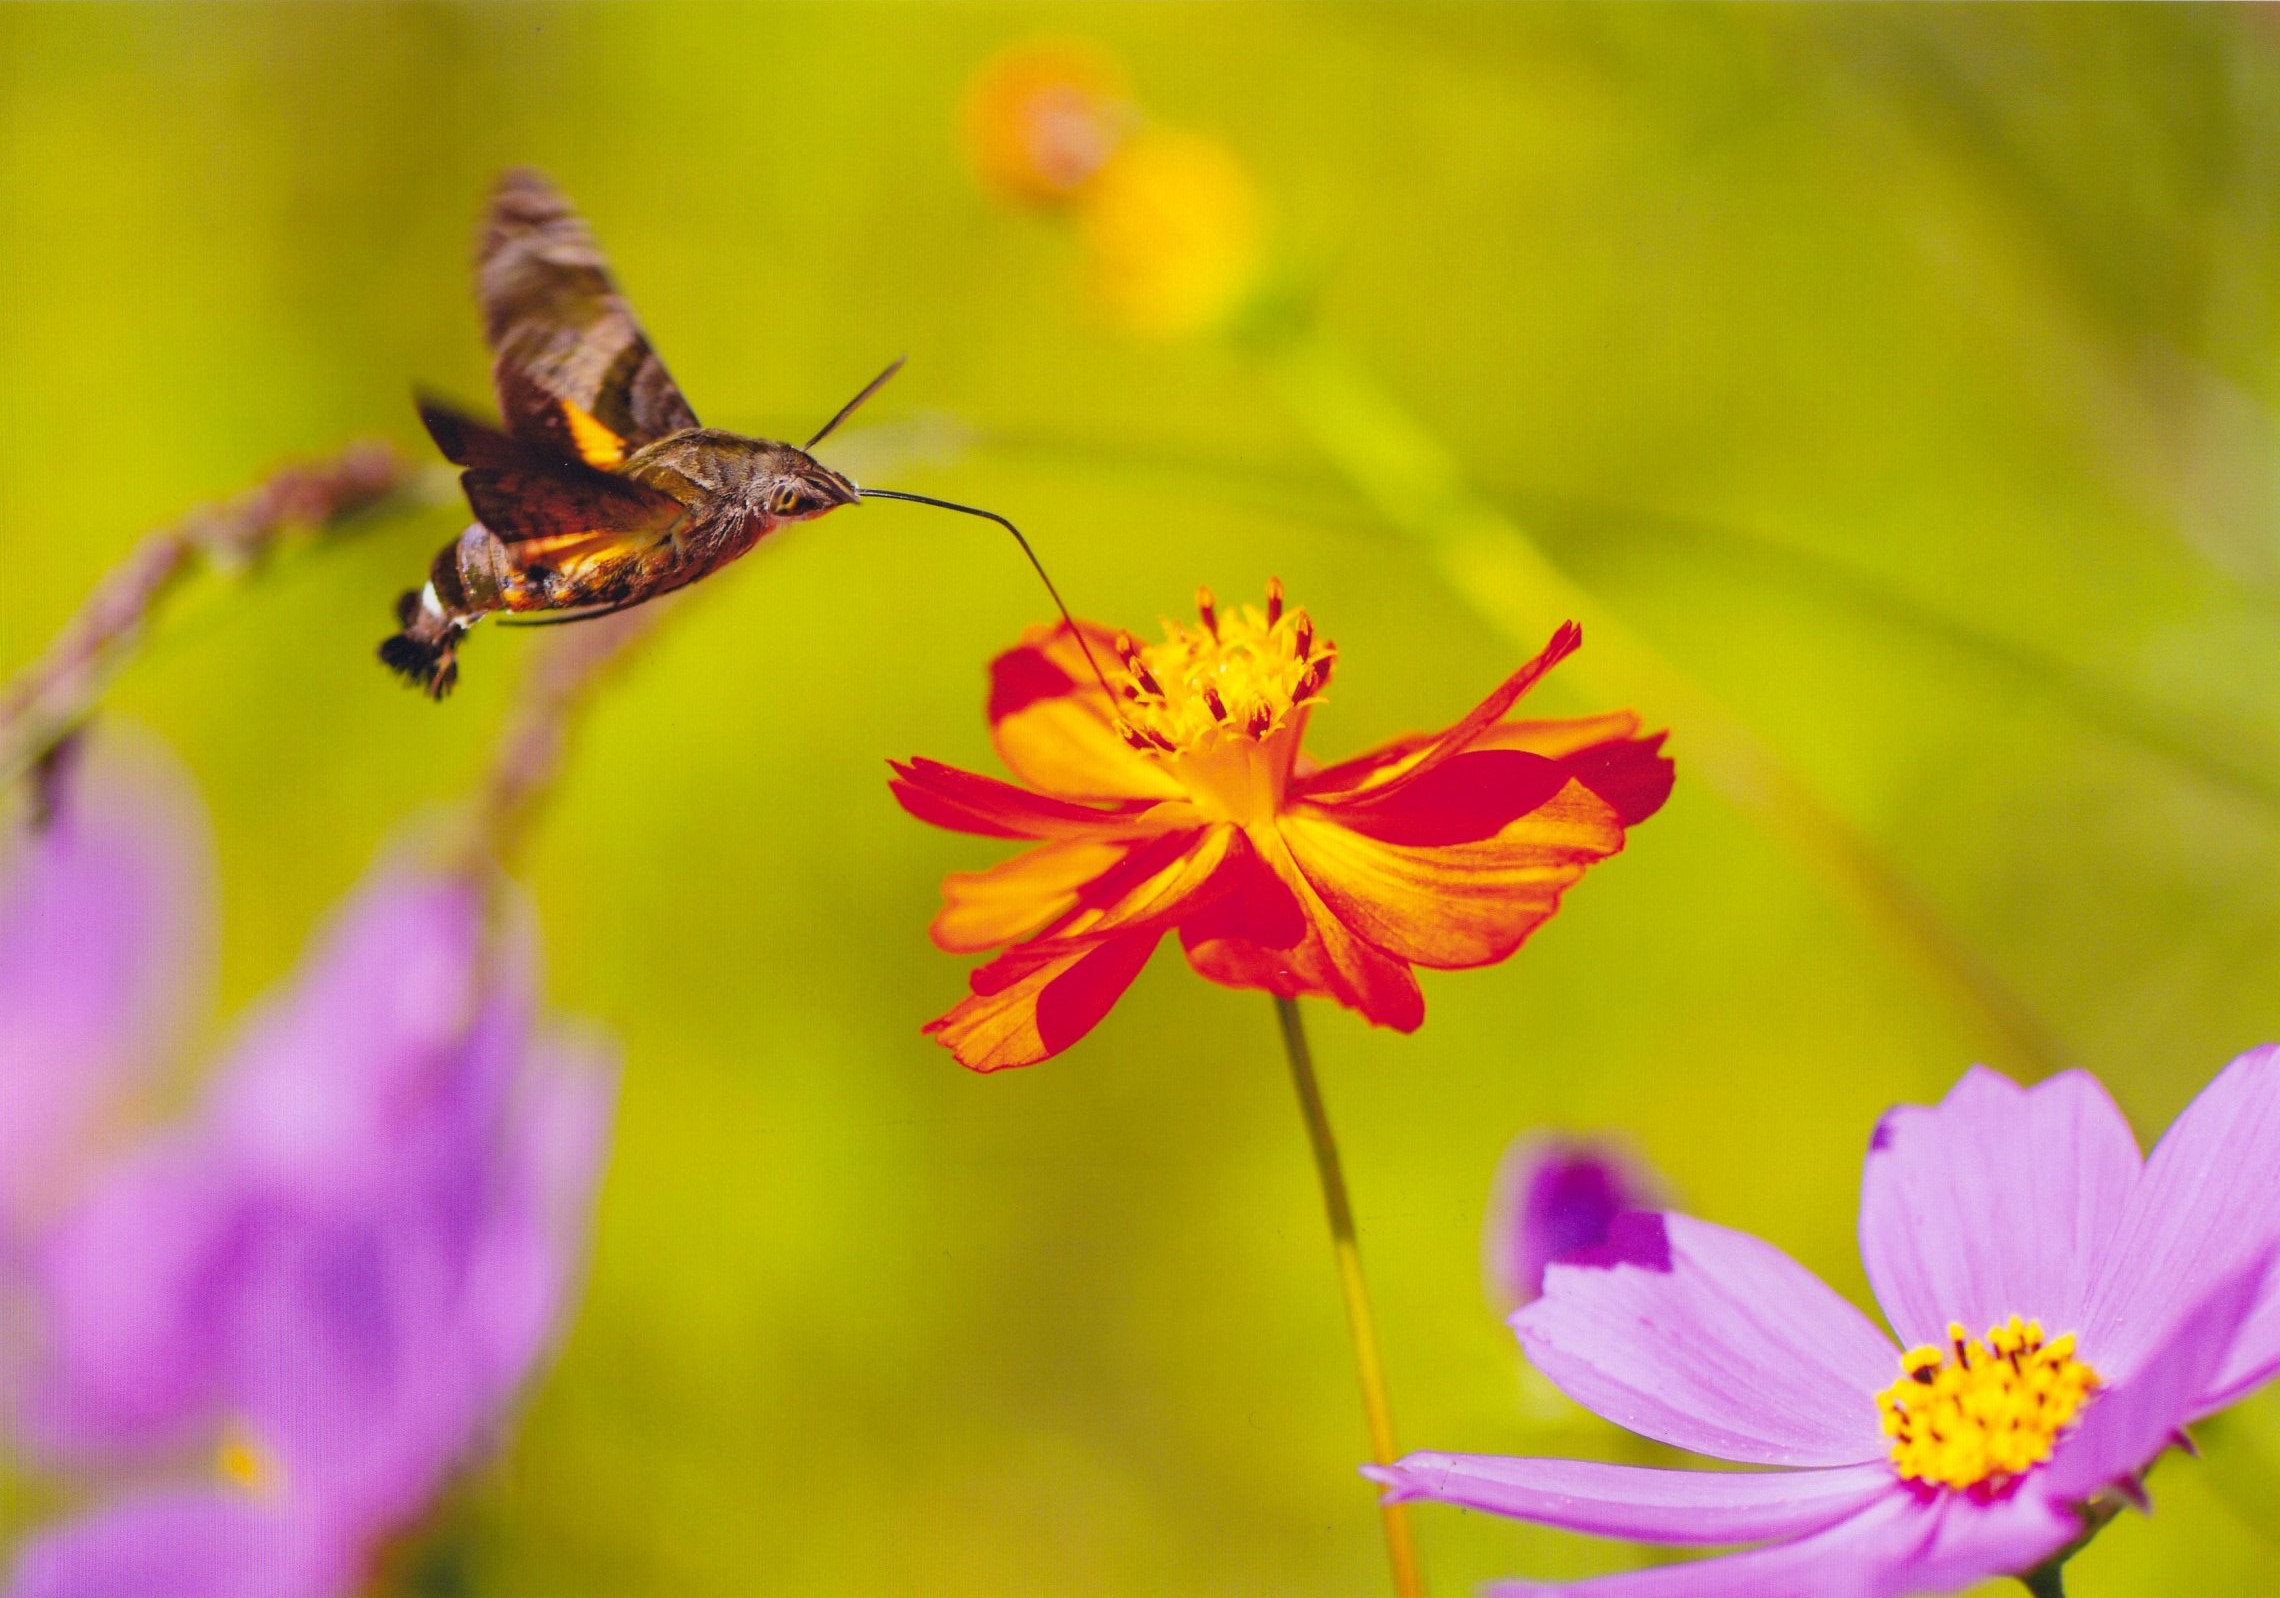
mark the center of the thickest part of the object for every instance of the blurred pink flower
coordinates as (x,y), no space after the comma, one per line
(105,944)
(291,1314)
(1553,1196)
(2066,1308)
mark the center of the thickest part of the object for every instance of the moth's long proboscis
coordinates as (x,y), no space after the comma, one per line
(1035,565)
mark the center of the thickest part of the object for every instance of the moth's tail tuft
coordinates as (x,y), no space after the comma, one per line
(432,668)
(426,652)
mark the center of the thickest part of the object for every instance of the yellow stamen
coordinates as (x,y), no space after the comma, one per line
(244,1463)
(1981,1413)
(1224,703)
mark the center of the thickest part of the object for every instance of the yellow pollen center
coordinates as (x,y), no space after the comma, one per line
(1983,1412)
(1224,702)
(242,1462)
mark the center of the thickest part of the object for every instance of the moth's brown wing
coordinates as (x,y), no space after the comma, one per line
(468,442)
(575,537)
(570,503)
(574,372)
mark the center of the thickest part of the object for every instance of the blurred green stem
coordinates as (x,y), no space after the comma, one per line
(1400,1549)
(2046,1581)
(1411,479)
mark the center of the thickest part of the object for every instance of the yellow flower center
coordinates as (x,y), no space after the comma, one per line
(1977,1413)
(242,1462)
(1223,703)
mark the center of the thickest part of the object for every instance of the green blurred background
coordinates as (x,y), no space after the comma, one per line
(1908,377)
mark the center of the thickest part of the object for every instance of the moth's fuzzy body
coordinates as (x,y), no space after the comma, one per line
(603,491)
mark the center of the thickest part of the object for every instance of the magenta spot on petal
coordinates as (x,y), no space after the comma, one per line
(1881,1139)
(1638,1238)
(1554,1196)
(1573,1202)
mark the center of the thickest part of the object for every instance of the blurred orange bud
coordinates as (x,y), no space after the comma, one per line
(1174,228)
(1042,118)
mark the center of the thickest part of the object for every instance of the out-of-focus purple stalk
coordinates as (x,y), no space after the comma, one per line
(51,696)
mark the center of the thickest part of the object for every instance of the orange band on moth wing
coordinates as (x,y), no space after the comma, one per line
(524,550)
(595,443)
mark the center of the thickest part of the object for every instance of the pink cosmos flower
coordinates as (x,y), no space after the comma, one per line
(284,1319)
(1554,1196)
(2063,1309)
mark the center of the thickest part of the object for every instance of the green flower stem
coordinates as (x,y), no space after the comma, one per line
(1412,480)
(2046,1581)
(1400,1547)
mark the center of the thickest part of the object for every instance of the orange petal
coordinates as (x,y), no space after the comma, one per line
(1154,885)
(962,801)
(1038,998)
(1050,1007)
(983,909)
(1409,757)
(1056,730)
(1453,905)
(1556,738)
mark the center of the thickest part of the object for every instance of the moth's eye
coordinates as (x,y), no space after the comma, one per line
(785,501)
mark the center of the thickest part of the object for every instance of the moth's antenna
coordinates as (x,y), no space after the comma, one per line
(848,409)
(1035,564)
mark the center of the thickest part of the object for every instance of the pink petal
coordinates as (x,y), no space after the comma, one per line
(1711,1340)
(1964,1541)
(105,935)
(337,1067)
(1998,1201)
(2204,1210)
(2129,1426)
(528,1256)
(217,1544)
(1903,1544)
(2253,1359)
(1664,1506)
(1847,1560)
(126,1287)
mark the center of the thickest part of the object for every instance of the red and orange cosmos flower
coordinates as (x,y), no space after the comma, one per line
(1179,799)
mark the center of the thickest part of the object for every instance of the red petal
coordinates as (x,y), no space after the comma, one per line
(1330,961)
(1409,758)
(1056,730)
(961,801)
(1051,1007)
(1250,903)
(1462,800)
(1632,774)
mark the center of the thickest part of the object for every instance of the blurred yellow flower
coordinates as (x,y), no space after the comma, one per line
(1042,118)
(1173,226)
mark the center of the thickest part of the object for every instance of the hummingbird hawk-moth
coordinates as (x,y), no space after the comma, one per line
(602,491)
